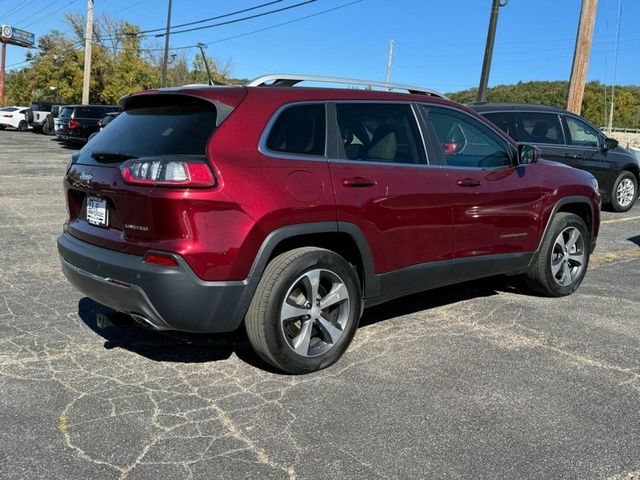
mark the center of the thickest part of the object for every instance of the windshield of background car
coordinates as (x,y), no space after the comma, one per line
(166,127)
(89,112)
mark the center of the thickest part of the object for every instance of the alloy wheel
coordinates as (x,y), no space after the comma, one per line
(568,256)
(315,312)
(625,192)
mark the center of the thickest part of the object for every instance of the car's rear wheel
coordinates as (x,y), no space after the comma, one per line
(22,126)
(305,310)
(562,261)
(625,192)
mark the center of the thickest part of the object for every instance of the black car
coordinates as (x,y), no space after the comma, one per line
(568,138)
(78,122)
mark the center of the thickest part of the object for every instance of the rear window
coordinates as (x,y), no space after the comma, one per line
(91,112)
(173,126)
(9,109)
(66,112)
(40,107)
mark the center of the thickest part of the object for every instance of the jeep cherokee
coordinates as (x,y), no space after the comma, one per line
(290,210)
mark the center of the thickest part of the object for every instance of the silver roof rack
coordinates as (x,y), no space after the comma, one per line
(287,80)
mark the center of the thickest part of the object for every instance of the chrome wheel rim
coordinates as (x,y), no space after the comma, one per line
(315,312)
(625,192)
(568,256)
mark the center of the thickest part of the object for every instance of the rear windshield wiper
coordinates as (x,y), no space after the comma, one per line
(111,156)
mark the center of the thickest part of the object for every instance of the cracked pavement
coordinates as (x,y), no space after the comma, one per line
(480,380)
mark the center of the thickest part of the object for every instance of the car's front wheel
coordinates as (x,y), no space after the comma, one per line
(305,310)
(625,192)
(562,261)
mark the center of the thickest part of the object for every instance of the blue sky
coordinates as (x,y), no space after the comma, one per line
(439,43)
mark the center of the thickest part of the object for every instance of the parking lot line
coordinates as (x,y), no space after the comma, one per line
(619,220)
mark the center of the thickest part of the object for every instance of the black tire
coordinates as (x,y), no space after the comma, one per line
(22,126)
(2,127)
(284,279)
(541,276)
(628,184)
(46,129)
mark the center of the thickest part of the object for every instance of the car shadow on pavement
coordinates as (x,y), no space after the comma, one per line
(121,331)
(635,240)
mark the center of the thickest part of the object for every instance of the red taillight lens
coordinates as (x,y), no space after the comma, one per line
(168,172)
(7,115)
(73,124)
(160,259)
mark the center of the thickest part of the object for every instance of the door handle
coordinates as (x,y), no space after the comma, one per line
(468,182)
(358,182)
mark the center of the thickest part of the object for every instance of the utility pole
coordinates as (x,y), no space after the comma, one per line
(2,72)
(581,55)
(615,66)
(488,50)
(87,53)
(202,46)
(165,62)
(387,77)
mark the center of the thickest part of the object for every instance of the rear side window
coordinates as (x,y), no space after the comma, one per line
(66,112)
(540,128)
(466,142)
(299,130)
(40,107)
(158,126)
(379,132)
(505,121)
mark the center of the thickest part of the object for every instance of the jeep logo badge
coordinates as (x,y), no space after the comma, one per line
(85,177)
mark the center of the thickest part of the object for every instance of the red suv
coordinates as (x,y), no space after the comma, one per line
(291,209)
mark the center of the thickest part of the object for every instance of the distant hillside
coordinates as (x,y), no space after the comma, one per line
(626,108)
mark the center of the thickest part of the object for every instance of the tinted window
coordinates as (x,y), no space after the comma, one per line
(582,134)
(40,107)
(178,127)
(466,142)
(90,112)
(9,109)
(505,121)
(66,112)
(379,132)
(540,128)
(299,130)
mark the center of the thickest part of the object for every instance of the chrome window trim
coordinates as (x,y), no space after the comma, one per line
(262,144)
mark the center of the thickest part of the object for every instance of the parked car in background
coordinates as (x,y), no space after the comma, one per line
(103,122)
(15,117)
(290,209)
(570,139)
(78,122)
(43,116)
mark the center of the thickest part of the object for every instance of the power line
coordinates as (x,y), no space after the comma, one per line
(17,8)
(250,17)
(48,14)
(213,18)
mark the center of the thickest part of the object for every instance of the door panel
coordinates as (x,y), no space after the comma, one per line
(496,205)
(384,186)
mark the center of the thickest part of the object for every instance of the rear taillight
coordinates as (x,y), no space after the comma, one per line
(7,115)
(37,116)
(160,259)
(168,172)
(73,124)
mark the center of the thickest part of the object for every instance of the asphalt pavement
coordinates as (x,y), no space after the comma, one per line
(476,381)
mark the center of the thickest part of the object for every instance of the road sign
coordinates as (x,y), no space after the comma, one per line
(16,36)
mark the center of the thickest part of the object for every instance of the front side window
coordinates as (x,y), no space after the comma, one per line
(379,132)
(299,130)
(582,134)
(540,128)
(505,121)
(466,142)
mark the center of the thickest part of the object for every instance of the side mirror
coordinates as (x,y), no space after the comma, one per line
(527,154)
(610,143)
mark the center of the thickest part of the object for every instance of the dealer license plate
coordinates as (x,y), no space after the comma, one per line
(97,212)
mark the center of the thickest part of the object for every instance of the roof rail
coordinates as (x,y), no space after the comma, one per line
(287,80)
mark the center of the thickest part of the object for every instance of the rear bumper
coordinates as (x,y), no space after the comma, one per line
(166,298)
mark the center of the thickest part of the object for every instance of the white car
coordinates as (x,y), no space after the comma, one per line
(16,117)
